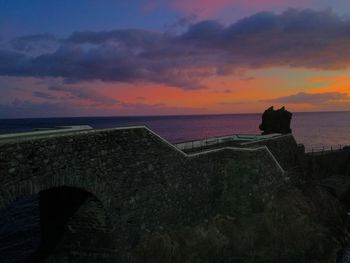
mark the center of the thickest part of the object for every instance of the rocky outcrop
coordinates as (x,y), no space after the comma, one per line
(276,121)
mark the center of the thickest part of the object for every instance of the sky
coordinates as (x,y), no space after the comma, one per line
(62,58)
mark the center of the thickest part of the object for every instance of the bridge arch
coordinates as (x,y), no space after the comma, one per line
(74,226)
(35,185)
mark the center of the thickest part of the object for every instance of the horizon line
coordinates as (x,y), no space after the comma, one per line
(162,115)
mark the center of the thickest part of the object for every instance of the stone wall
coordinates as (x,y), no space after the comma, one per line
(144,183)
(284,148)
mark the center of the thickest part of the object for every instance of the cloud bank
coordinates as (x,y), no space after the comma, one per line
(294,38)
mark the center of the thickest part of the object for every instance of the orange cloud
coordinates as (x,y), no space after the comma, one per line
(332,84)
(332,95)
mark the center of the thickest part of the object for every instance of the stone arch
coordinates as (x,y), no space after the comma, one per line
(74,226)
(21,188)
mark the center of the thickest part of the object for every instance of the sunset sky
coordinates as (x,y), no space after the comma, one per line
(160,57)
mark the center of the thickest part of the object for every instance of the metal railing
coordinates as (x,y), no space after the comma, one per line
(325,149)
(45,131)
(212,141)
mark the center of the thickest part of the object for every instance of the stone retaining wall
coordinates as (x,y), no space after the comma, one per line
(143,182)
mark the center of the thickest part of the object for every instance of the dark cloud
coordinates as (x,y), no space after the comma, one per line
(106,63)
(12,63)
(130,37)
(206,31)
(182,22)
(85,94)
(43,95)
(308,98)
(35,44)
(295,38)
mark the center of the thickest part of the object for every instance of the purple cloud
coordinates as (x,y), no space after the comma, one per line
(294,38)
(43,95)
(84,94)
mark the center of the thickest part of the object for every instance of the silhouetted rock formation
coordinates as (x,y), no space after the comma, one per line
(276,121)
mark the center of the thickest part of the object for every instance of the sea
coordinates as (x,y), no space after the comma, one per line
(316,130)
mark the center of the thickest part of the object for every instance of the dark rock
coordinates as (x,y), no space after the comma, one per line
(276,121)
(346,148)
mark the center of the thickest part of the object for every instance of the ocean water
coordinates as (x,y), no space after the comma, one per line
(314,130)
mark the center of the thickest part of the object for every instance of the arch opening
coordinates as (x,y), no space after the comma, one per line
(67,224)
(57,206)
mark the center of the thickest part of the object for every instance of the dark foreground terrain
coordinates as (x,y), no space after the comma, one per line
(126,195)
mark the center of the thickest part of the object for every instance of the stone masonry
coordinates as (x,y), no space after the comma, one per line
(140,189)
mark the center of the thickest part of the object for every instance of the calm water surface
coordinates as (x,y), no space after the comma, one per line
(312,129)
